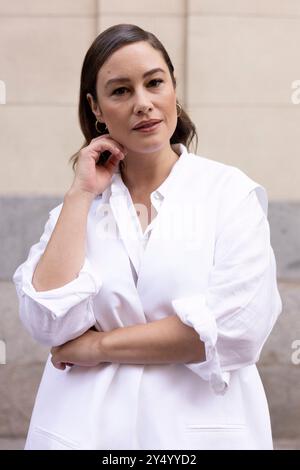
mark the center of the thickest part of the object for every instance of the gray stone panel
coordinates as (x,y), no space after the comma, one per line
(20,347)
(18,388)
(278,348)
(23,220)
(282,385)
(22,224)
(9,443)
(284,218)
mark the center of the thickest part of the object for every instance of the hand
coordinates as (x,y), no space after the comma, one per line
(93,178)
(82,351)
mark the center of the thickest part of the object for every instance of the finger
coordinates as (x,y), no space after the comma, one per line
(108,137)
(115,156)
(114,160)
(53,349)
(100,146)
(58,364)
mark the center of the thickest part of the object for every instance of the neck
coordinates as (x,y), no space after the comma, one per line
(143,173)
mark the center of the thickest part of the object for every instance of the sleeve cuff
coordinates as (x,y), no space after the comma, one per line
(60,300)
(194,312)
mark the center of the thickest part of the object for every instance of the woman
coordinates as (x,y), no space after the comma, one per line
(154,282)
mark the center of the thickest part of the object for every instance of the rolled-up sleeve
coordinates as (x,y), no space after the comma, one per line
(55,316)
(241,304)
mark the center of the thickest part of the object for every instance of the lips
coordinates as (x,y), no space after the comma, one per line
(147,124)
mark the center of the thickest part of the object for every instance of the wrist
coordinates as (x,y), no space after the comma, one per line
(102,347)
(79,194)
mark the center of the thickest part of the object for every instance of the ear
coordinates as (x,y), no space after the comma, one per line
(94,107)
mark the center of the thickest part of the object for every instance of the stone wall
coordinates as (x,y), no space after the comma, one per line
(235,63)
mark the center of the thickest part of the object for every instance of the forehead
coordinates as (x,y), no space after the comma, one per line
(131,60)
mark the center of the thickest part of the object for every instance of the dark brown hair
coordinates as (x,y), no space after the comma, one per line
(100,50)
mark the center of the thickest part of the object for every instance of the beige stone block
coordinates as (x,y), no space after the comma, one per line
(41,58)
(245,7)
(262,141)
(36,142)
(44,7)
(242,60)
(138,7)
(170,31)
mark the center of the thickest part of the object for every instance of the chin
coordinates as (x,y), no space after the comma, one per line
(151,147)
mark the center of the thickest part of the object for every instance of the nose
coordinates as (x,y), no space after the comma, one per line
(142,105)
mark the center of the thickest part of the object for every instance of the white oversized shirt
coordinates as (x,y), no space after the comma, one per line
(132,219)
(208,259)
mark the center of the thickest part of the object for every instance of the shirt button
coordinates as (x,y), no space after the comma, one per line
(157,195)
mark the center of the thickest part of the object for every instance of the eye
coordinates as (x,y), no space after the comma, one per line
(158,81)
(155,81)
(118,89)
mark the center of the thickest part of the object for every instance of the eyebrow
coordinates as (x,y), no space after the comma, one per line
(126,79)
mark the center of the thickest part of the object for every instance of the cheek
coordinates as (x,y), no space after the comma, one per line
(172,113)
(170,105)
(117,116)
